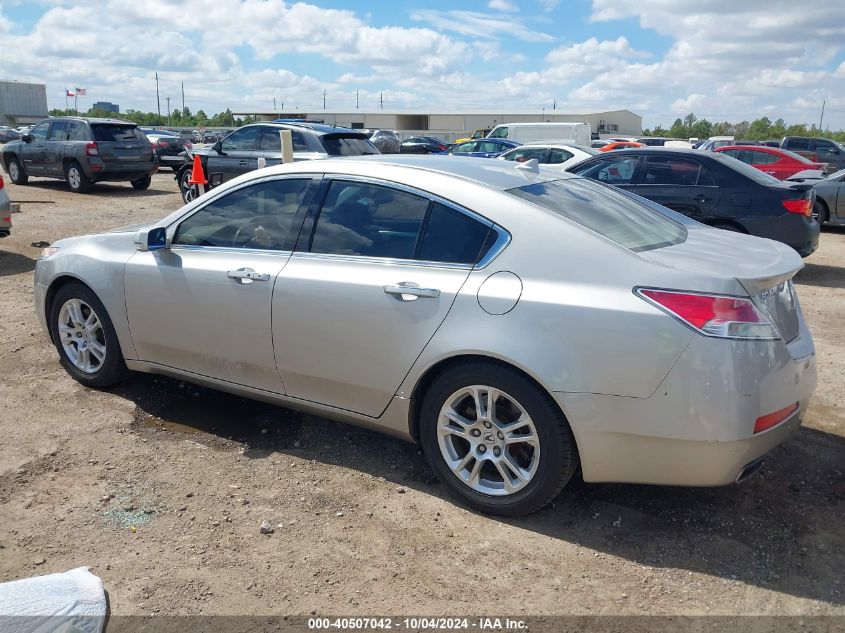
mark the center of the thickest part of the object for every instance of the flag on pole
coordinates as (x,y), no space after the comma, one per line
(81,92)
(69,93)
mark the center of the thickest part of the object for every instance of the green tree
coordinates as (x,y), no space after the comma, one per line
(702,129)
(759,129)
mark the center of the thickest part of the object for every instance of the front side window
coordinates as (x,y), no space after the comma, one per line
(259,216)
(59,131)
(609,212)
(614,170)
(242,140)
(676,171)
(798,144)
(39,132)
(370,220)
(490,147)
(825,145)
(501,132)
(466,148)
(521,155)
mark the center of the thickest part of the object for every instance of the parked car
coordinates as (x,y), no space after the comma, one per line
(520,324)
(483,148)
(386,141)
(614,145)
(656,141)
(8,134)
(5,211)
(771,143)
(830,199)
(82,151)
(547,132)
(423,145)
(170,148)
(480,133)
(779,163)
(598,143)
(819,150)
(714,189)
(560,155)
(716,141)
(239,152)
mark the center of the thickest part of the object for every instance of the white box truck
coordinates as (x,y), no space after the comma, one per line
(573,133)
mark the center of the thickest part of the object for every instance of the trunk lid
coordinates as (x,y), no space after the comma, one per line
(121,143)
(765,269)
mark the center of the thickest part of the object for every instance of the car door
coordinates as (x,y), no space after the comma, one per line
(34,153)
(203,305)
(466,149)
(270,145)
(840,198)
(238,153)
(679,183)
(367,289)
(53,148)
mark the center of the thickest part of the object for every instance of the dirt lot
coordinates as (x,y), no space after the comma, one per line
(160,487)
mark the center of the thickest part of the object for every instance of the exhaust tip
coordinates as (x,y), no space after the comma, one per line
(749,470)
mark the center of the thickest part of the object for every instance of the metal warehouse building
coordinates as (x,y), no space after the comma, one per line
(22,103)
(623,122)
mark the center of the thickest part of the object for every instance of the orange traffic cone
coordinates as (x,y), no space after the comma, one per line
(197,175)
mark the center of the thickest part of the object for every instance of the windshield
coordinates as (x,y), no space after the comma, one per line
(353,145)
(603,209)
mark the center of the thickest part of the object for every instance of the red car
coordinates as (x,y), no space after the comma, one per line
(777,162)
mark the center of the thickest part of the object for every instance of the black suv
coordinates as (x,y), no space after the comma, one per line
(820,150)
(239,152)
(82,152)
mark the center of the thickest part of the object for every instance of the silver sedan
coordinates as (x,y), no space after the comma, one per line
(518,323)
(830,199)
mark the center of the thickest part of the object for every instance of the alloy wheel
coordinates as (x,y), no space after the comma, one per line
(82,336)
(488,440)
(14,171)
(73,177)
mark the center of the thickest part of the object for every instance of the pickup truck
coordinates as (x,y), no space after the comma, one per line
(820,150)
(82,151)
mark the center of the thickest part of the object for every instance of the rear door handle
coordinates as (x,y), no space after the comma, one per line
(406,288)
(247,275)
(699,199)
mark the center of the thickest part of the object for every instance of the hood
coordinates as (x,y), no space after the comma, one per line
(132,227)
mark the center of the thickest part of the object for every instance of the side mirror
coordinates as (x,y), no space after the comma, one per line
(151,239)
(218,147)
(27,138)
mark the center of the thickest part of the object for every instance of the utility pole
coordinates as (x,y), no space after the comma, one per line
(158,101)
(168,110)
(356,99)
(554,104)
(274,105)
(381,101)
(324,99)
(821,118)
(183,98)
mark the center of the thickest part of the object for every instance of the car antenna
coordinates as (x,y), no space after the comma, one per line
(530,165)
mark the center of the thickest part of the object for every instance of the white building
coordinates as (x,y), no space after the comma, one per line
(22,103)
(449,125)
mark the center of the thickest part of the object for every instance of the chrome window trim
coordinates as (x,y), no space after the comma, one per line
(503,237)
(230,249)
(389,261)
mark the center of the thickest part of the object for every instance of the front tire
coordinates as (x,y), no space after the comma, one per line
(85,337)
(16,172)
(496,439)
(77,181)
(141,183)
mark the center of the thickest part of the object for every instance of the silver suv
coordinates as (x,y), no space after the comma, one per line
(82,151)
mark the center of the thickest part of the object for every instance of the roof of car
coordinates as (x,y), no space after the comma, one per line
(317,128)
(498,174)
(91,120)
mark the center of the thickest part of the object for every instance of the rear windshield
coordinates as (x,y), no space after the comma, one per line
(348,145)
(747,170)
(603,209)
(121,133)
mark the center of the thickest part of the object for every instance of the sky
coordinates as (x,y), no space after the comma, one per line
(721,59)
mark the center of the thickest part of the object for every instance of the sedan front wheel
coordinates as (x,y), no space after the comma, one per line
(496,439)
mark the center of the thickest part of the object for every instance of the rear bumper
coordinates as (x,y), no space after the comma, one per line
(797,231)
(697,428)
(101,170)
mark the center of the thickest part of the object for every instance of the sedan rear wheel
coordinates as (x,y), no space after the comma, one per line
(85,338)
(819,212)
(496,439)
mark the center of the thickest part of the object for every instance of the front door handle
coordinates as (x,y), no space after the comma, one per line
(247,275)
(407,288)
(699,199)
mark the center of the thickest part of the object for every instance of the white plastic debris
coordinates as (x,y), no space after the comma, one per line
(71,602)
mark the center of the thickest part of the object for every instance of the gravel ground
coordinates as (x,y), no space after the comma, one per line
(161,488)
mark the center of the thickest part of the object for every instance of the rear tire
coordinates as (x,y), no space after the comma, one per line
(77,181)
(85,337)
(522,437)
(16,172)
(141,183)
(819,212)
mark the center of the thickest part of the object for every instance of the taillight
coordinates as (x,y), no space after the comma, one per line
(801,207)
(91,149)
(8,218)
(714,315)
(2,184)
(769,420)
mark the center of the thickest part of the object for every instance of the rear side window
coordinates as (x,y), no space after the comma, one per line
(675,171)
(557,156)
(341,145)
(522,155)
(798,144)
(58,131)
(452,236)
(614,170)
(760,158)
(77,131)
(271,141)
(105,132)
(608,212)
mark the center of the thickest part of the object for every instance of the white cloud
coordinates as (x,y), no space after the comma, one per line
(481,25)
(503,5)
